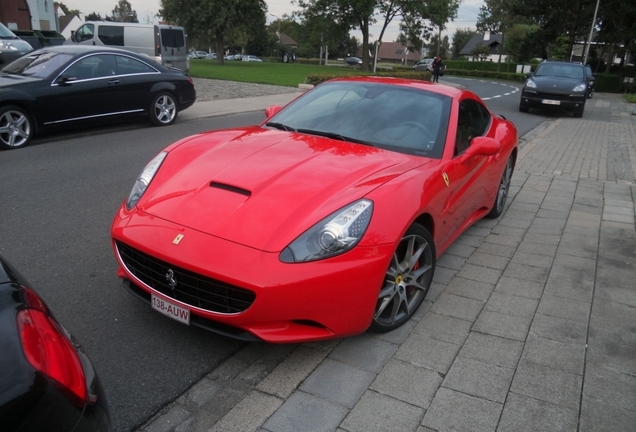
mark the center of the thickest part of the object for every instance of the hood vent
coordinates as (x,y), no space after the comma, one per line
(230,188)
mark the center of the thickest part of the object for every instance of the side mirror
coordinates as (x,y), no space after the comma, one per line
(73,37)
(272,110)
(66,78)
(483,146)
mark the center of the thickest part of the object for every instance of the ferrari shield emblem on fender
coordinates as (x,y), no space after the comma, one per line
(446,180)
(177,239)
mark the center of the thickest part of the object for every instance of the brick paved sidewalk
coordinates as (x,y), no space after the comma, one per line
(529,325)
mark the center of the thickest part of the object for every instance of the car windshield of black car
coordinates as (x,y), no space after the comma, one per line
(560,70)
(392,117)
(39,65)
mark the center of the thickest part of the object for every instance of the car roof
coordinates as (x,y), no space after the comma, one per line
(83,49)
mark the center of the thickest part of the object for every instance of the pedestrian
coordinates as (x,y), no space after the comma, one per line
(437,68)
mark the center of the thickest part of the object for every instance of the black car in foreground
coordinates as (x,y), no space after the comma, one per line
(556,85)
(79,85)
(47,383)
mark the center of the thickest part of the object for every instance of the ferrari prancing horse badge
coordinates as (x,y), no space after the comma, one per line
(446,180)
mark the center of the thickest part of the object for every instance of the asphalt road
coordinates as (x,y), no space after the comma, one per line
(58,199)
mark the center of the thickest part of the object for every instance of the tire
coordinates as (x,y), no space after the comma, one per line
(502,192)
(407,280)
(577,114)
(16,127)
(523,108)
(163,109)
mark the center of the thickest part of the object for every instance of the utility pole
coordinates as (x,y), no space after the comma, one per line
(589,39)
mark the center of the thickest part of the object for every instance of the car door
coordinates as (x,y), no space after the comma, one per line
(88,89)
(138,79)
(466,173)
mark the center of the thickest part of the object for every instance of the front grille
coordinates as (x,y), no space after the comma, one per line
(552,96)
(191,288)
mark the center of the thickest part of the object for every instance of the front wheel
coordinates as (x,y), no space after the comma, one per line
(502,191)
(163,110)
(16,128)
(407,280)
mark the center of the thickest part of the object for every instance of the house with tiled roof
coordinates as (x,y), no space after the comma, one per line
(483,47)
(396,52)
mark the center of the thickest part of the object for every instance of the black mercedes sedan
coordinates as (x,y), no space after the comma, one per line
(77,85)
(556,85)
(47,382)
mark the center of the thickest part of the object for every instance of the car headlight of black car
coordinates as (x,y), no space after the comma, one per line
(144,179)
(531,84)
(335,234)
(580,88)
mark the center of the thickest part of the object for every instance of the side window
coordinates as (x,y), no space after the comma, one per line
(111,35)
(85,33)
(473,121)
(103,65)
(129,65)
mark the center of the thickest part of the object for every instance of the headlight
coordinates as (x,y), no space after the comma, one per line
(579,88)
(144,180)
(5,45)
(531,84)
(335,234)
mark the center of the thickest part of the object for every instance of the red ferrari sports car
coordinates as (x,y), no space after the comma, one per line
(321,222)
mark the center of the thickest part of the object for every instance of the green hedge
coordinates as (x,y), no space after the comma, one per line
(518,77)
(316,79)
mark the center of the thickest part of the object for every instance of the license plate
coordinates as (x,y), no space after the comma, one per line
(551,102)
(170,309)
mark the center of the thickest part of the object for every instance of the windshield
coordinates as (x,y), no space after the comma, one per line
(38,65)
(5,33)
(394,117)
(560,70)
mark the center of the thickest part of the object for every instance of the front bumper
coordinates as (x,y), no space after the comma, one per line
(569,102)
(298,302)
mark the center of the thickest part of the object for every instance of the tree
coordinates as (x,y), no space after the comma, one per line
(519,42)
(95,16)
(349,13)
(460,39)
(66,10)
(217,21)
(123,12)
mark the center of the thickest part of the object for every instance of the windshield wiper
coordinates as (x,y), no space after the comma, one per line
(335,136)
(280,126)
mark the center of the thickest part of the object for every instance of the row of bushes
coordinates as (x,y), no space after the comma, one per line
(316,79)
(606,83)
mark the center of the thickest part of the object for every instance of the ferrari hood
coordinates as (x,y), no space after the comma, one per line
(263,188)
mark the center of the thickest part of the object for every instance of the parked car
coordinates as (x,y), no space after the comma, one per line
(330,218)
(48,382)
(11,46)
(353,61)
(556,85)
(251,58)
(426,64)
(78,85)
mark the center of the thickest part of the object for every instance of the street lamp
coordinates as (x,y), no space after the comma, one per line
(277,33)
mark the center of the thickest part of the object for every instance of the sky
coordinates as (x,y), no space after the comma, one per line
(147,9)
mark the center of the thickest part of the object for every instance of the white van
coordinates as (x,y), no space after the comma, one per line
(165,44)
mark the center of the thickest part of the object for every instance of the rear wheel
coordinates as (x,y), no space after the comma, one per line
(16,128)
(163,110)
(502,192)
(407,280)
